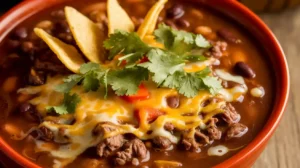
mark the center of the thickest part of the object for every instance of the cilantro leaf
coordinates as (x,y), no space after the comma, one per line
(161,64)
(194,58)
(91,82)
(212,84)
(69,83)
(68,106)
(202,42)
(127,81)
(189,84)
(126,43)
(84,68)
(178,41)
(104,81)
(164,35)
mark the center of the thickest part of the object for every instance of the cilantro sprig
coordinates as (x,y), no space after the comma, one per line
(165,67)
(68,106)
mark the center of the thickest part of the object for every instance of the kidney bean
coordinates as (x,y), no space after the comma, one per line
(173,101)
(21,33)
(203,30)
(175,12)
(245,70)
(171,24)
(228,36)
(62,26)
(182,23)
(45,24)
(27,47)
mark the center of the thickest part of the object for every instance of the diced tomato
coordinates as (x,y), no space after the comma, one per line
(123,63)
(152,114)
(144,59)
(142,94)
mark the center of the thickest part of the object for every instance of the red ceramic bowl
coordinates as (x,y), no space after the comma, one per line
(229,8)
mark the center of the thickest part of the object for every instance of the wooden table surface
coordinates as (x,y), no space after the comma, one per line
(284,147)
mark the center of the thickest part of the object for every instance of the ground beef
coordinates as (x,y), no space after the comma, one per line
(109,145)
(169,126)
(217,50)
(50,66)
(201,138)
(103,128)
(30,113)
(132,150)
(194,144)
(230,115)
(46,134)
(162,142)
(188,143)
(236,130)
(213,132)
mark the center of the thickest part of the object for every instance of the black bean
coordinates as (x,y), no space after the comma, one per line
(21,33)
(62,26)
(182,23)
(245,70)
(175,12)
(26,107)
(228,36)
(173,101)
(67,38)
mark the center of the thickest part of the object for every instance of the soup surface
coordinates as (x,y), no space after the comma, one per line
(146,100)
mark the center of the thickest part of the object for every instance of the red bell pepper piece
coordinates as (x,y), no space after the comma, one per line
(144,59)
(152,113)
(142,94)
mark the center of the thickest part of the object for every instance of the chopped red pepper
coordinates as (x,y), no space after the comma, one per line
(142,94)
(144,59)
(152,114)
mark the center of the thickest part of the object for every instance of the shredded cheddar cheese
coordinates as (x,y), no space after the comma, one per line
(94,109)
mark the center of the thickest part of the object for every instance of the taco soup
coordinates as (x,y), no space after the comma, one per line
(132,83)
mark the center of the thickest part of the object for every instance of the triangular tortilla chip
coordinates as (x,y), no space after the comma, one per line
(118,19)
(88,36)
(66,53)
(148,26)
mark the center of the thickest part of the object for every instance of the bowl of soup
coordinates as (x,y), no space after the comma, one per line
(138,84)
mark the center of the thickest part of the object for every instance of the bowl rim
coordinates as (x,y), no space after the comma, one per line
(254,146)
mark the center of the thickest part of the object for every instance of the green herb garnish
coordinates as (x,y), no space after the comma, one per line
(165,67)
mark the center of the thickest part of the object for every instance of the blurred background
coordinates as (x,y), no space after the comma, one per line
(283,17)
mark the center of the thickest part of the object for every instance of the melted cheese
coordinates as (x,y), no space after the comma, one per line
(200,65)
(228,77)
(93,109)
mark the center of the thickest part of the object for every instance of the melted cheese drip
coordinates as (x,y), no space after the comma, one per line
(200,65)
(93,109)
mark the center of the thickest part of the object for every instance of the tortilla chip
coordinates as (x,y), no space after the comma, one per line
(149,24)
(150,40)
(88,36)
(118,19)
(66,53)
